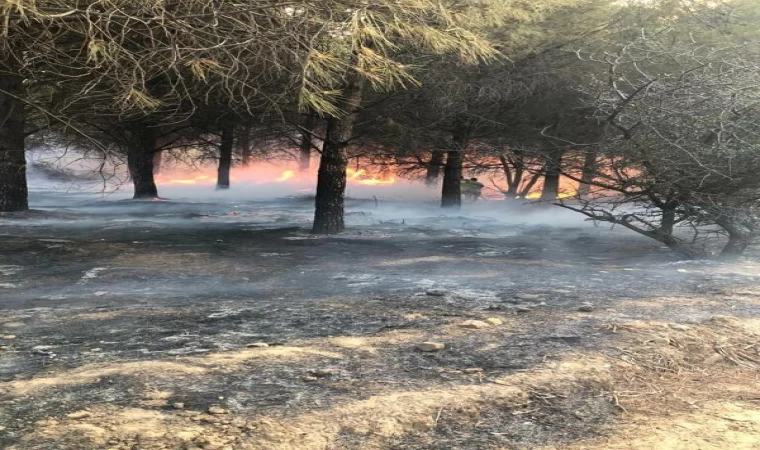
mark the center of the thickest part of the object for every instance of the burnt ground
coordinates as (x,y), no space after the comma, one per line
(123,323)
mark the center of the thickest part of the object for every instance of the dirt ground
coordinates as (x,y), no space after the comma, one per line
(203,326)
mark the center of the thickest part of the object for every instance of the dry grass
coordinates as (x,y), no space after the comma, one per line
(677,387)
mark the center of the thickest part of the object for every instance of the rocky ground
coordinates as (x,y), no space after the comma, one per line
(173,325)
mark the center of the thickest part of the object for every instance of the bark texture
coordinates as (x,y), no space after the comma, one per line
(587,174)
(552,172)
(157,160)
(140,161)
(434,167)
(14,194)
(451,194)
(225,156)
(331,178)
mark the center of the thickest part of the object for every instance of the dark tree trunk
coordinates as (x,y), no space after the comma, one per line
(307,143)
(514,177)
(331,178)
(225,156)
(157,159)
(434,167)
(14,194)
(552,172)
(587,174)
(244,143)
(528,188)
(140,162)
(737,243)
(451,194)
(668,222)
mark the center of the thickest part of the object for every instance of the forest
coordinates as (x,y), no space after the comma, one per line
(379,224)
(648,107)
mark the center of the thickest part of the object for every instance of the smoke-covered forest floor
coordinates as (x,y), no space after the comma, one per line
(170,325)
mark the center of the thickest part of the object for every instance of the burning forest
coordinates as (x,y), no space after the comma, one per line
(415,224)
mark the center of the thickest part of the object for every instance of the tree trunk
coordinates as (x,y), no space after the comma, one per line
(304,149)
(244,143)
(157,159)
(331,178)
(514,178)
(14,194)
(225,155)
(552,172)
(434,167)
(451,194)
(140,162)
(734,248)
(587,174)
(668,222)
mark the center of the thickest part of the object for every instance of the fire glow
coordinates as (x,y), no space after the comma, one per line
(264,174)
(305,180)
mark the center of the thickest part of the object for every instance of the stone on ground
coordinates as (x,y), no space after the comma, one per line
(430,346)
(474,324)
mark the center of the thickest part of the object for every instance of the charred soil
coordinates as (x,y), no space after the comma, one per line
(189,326)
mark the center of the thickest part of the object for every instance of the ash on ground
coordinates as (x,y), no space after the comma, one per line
(193,325)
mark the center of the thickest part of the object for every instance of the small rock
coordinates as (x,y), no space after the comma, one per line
(46,423)
(209,419)
(238,422)
(322,373)
(473,370)
(79,415)
(217,410)
(474,324)
(494,321)
(586,307)
(257,345)
(309,378)
(11,325)
(2,428)
(436,292)
(523,309)
(178,405)
(9,337)
(680,327)
(95,350)
(430,346)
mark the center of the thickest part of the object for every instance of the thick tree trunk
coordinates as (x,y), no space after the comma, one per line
(157,159)
(225,156)
(244,144)
(304,149)
(587,174)
(451,194)
(140,162)
(14,194)
(552,172)
(434,167)
(331,178)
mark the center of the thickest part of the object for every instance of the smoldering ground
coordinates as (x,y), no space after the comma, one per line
(125,322)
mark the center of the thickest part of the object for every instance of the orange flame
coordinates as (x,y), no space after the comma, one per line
(264,173)
(361,177)
(535,195)
(202,179)
(288,174)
